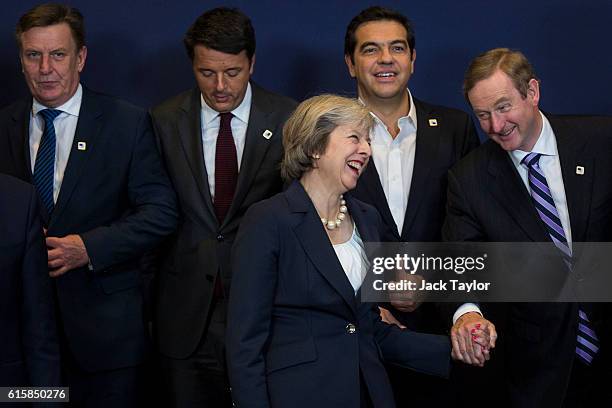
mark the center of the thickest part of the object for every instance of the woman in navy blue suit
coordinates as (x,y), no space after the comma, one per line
(298,336)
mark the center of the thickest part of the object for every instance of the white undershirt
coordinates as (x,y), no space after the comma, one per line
(352,257)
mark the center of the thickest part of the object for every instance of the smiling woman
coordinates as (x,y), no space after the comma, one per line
(298,334)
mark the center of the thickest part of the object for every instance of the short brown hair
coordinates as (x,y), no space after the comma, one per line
(307,130)
(49,14)
(223,29)
(511,62)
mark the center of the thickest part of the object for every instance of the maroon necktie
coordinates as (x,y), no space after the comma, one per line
(226,167)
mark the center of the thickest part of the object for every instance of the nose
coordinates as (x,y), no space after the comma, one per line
(384,57)
(45,64)
(365,149)
(220,83)
(497,123)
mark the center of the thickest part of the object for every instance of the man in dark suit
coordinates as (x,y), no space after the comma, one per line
(29,355)
(413,146)
(106,200)
(541,177)
(221,143)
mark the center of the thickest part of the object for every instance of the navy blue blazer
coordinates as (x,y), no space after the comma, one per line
(116,195)
(297,334)
(29,352)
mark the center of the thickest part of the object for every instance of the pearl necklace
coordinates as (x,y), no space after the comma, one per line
(331,224)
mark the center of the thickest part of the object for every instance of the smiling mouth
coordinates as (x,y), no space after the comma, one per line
(385,75)
(507,132)
(355,166)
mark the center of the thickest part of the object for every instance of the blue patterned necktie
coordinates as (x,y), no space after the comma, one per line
(44,167)
(587,344)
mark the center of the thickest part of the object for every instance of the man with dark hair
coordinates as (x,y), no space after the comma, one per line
(541,178)
(106,200)
(414,144)
(222,145)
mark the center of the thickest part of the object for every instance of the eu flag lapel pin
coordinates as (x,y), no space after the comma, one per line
(433,122)
(267,134)
(82,146)
(579,170)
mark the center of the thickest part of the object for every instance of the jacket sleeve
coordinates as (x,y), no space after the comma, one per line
(39,335)
(153,207)
(255,274)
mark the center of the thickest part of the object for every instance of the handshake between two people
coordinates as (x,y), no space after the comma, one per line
(472,336)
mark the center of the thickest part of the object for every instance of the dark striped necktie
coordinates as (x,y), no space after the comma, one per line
(587,344)
(44,166)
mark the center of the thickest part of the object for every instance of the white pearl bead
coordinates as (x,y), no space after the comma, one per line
(331,225)
(341,216)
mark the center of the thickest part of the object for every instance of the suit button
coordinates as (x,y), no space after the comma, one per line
(220,237)
(351,328)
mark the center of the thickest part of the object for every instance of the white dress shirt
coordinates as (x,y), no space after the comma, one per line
(551,167)
(210,130)
(65,126)
(394,160)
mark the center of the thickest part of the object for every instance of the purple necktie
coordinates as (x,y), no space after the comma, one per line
(226,167)
(587,344)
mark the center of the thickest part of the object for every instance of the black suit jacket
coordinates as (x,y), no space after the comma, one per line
(200,249)
(115,194)
(488,201)
(29,355)
(298,336)
(438,148)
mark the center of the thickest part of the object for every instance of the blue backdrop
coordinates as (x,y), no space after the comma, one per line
(136,52)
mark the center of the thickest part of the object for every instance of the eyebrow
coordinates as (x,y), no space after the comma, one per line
(377,44)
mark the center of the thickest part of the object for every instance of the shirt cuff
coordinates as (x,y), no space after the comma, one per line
(465,308)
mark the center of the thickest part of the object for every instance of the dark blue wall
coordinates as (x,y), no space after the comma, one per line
(135,48)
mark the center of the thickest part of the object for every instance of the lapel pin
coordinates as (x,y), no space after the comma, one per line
(267,134)
(82,146)
(579,170)
(433,122)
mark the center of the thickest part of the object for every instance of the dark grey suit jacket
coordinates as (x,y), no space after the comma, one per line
(201,247)
(488,201)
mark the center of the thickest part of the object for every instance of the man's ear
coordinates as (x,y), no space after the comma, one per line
(412,61)
(349,65)
(533,91)
(81,58)
(252,67)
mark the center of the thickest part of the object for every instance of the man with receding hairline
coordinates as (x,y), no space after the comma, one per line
(106,200)
(541,178)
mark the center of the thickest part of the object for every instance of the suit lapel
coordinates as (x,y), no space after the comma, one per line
(577,187)
(427,143)
(87,131)
(255,148)
(311,235)
(371,181)
(508,189)
(190,133)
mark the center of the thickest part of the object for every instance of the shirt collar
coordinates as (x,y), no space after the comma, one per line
(546,144)
(241,112)
(411,117)
(71,106)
